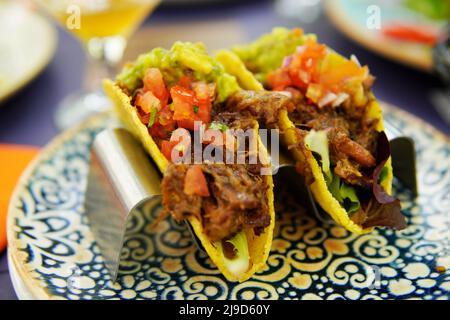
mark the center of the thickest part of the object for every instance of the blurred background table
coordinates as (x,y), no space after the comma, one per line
(27,118)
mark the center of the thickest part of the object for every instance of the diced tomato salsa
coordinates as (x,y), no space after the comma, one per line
(195,182)
(170,113)
(163,109)
(317,72)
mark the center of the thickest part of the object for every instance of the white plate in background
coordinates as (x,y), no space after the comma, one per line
(27,43)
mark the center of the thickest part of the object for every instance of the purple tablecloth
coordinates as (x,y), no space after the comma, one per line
(28,117)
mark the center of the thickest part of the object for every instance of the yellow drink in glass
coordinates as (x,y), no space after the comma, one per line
(103,27)
(100,18)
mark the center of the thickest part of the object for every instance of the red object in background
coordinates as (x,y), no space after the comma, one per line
(13,160)
(411,33)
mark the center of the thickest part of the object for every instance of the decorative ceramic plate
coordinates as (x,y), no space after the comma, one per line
(27,43)
(53,254)
(352,16)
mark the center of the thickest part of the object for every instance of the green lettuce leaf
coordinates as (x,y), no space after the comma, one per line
(241,261)
(345,194)
(317,142)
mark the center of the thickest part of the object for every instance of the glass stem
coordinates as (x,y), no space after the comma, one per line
(103,55)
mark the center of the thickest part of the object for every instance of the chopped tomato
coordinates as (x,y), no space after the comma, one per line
(202,115)
(158,131)
(180,140)
(147,102)
(186,124)
(166,148)
(203,112)
(304,66)
(182,137)
(279,79)
(163,124)
(183,103)
(154,82)
(185,82)
(335,77)
(188,107)
(191,102)
(145,117)
(195,182)
(316,72)
(138,98)
(201,90)
(204,94)
(314,51)
(165,117)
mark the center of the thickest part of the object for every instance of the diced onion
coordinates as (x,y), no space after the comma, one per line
(301,49)
(287,61)
(286,93)
(327,99)
(304,76)
(355,60)
(341,97)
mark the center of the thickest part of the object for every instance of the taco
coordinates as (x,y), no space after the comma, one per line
(170,98)
(329,119)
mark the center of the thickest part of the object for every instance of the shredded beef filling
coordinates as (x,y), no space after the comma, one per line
(237,198)
(238,193)
(354,146)
(262,105)
(233,120)
(352,137)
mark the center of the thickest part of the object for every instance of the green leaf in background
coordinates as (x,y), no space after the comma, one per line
(433,9)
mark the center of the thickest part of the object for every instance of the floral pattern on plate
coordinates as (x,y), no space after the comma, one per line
(55,254)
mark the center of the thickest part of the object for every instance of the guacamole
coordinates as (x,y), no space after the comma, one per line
(284,40)
(182,57)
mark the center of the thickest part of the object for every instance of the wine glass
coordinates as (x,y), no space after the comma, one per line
(102,26)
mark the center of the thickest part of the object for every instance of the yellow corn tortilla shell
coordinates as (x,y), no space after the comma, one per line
(259,246)
(319,188)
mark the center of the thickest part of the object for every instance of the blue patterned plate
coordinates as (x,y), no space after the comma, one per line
(53,254)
